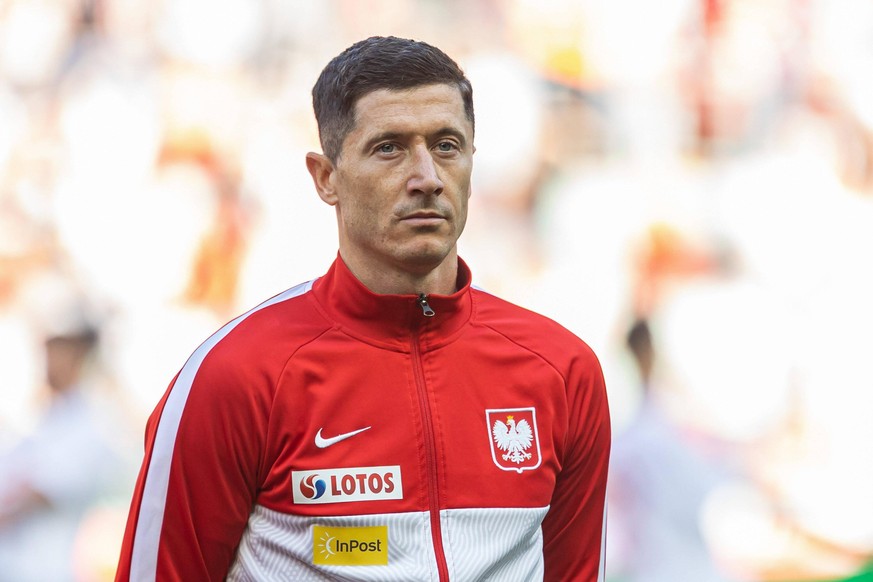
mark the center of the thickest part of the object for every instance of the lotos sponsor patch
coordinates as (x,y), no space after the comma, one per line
(350,546)
(345,485)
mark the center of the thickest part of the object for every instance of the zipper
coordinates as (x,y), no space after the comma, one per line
(425,306)
(430,452)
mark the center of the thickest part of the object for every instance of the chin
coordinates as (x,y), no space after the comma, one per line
(425,257)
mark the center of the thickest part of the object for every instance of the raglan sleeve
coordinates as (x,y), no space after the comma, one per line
(574,529)
(200,473)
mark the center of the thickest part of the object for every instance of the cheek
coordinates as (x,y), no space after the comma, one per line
(464,193)
(359,213)
(369,202)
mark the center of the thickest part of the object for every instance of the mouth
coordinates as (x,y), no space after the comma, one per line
(423,217)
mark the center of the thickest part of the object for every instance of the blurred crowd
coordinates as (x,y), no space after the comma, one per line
(685,184)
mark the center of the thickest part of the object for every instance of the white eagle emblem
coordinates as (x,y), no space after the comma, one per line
(514,439)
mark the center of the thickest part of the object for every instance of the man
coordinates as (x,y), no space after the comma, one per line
(386,421)
(53,477)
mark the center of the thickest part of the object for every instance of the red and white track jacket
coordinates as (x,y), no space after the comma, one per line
(335,434)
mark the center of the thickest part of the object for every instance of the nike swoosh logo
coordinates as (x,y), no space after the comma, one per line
(322,442)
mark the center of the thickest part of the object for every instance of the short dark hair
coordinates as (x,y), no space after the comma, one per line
(372,64)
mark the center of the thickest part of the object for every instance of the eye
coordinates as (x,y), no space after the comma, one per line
(387,148)
(447,146)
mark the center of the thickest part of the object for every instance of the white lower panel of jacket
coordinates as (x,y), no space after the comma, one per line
(479,544)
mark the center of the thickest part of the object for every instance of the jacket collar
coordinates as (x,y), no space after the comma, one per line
(392,321)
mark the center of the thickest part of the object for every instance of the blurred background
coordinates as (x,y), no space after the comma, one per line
(685,184)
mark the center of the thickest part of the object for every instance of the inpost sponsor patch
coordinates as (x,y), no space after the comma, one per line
(350,546)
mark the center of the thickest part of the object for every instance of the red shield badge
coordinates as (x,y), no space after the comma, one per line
(515,442)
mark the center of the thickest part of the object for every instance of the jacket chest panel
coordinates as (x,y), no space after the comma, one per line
(355,420)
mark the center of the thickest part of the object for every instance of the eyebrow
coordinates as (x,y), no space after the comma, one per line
(384,136)
(393,135)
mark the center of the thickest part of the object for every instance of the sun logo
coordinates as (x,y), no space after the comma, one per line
(324,546)
(342,545)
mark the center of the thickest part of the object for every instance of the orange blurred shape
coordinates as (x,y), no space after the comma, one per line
(667,252)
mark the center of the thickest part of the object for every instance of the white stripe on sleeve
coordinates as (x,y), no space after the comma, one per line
(144,558)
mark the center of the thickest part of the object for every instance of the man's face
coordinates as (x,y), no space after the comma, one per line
(402,180)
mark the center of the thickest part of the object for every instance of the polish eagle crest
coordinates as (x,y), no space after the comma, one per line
(513,438)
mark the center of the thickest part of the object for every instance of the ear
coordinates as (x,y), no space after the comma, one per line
(321,169)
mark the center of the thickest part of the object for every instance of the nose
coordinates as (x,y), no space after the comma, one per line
(424,178)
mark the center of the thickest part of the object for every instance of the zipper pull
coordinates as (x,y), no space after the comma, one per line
(425,306)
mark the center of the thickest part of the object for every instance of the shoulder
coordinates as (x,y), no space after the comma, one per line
(290,314)
(531,330)
(264,337)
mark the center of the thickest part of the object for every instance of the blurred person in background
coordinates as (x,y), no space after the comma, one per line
(658,486)
(387,420)
(55,474)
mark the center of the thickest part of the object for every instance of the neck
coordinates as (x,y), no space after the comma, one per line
(404,280)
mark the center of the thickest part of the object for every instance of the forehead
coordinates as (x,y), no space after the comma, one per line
(414,108)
